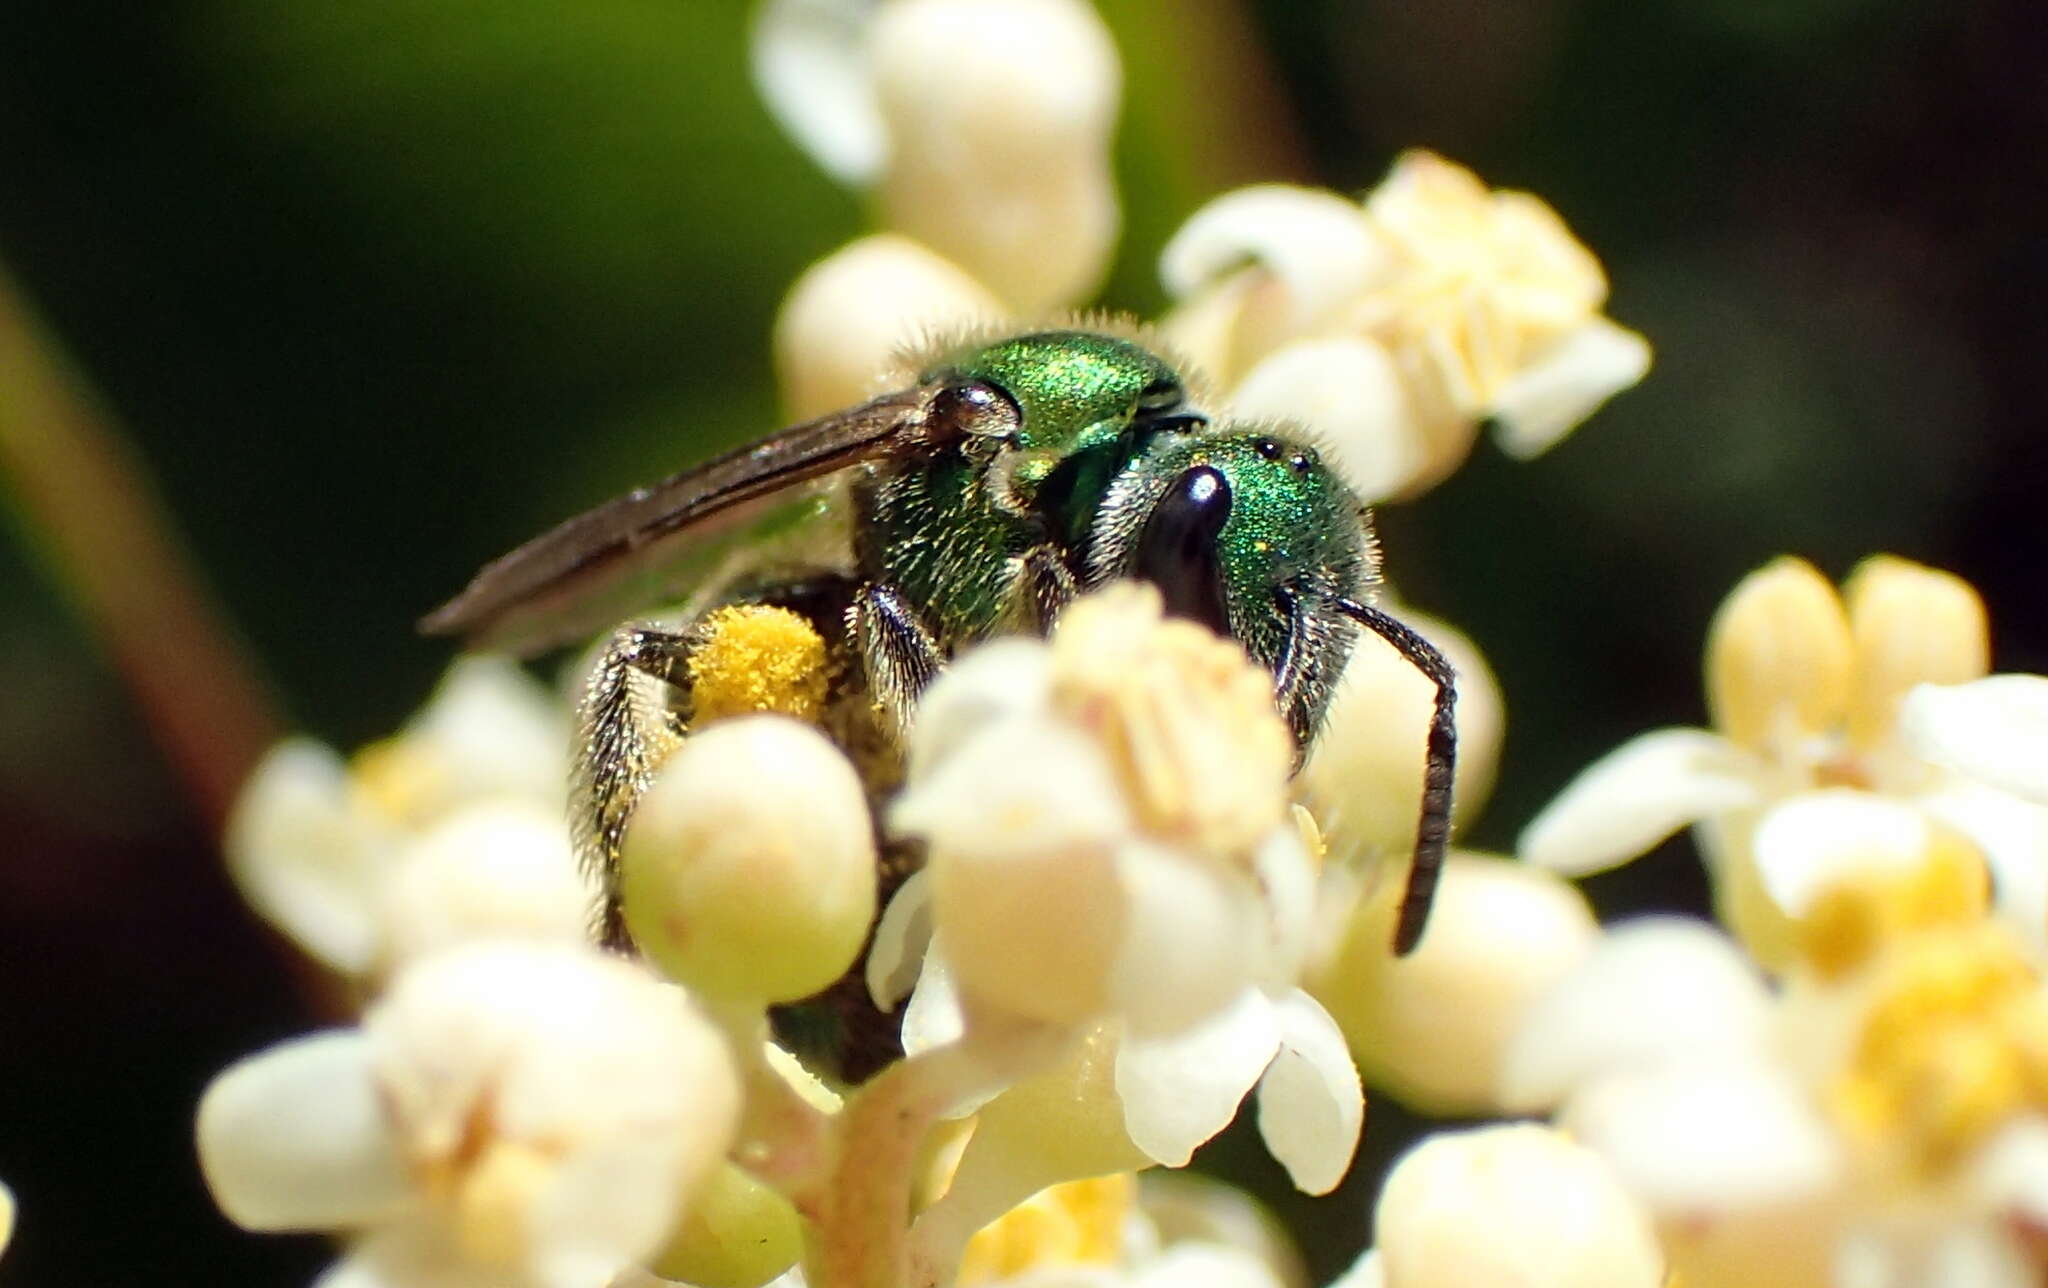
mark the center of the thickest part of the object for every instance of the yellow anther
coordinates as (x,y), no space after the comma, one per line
(1075,1224)
(1856,918)
(1911,625)
(757,658)
(1954,1044)
(1779,658)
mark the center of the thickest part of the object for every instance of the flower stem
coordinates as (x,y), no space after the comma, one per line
(783,1138)
(864,1216)
(86,500)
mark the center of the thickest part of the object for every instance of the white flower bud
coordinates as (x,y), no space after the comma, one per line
(502,870)
(735,1233)
(749,868)
(1517,1204)
(999,114)
(849,319)
(1363,779)
(1434,1027)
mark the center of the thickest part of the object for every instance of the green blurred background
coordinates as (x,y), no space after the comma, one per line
(378,287)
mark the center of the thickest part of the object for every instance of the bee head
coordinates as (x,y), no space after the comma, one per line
(1254,536)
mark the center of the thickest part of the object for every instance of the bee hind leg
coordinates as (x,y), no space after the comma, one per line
(627,726)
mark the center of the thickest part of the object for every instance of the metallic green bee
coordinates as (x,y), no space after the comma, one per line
(1011,477)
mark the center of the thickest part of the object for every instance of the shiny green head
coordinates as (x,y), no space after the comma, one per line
(1075,389)
(1253,536)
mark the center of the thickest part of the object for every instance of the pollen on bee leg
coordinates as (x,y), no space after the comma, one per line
(753,658)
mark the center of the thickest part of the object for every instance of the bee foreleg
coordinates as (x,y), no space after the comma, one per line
(1043,589)
(626,727)
(899,654)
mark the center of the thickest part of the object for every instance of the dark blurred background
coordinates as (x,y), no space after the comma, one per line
(377,288)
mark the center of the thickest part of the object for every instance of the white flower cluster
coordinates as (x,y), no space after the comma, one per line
(1390,329)
(1133,918)
(1852,1088)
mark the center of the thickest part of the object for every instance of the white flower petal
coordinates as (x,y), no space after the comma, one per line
(1191,940)
(1024,824)
(307,857)
(902,937)
(1565,383)
(489,730)
(1707,1136)
(501,869)
(1317,243)
(1811,841)
(296,1138)
(810,60)
(1311,1105)
(1179,1091)
(933,1018)
(1636,795)
(1288,886)
(998,680)
(1347,392)
(1658,991)
(1994,730)
(2011,1173)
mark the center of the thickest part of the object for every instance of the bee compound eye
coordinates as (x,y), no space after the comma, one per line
(978,409)
(1177,550)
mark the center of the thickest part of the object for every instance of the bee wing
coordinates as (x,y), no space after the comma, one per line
(581,575)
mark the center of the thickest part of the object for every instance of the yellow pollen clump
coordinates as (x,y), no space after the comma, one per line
(1955,1044)
(1079,1223)
(1855,918)
(753,658)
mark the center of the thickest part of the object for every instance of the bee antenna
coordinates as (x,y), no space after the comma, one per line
(1433,829)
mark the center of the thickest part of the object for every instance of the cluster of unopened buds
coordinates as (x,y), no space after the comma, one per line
(1134,914)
